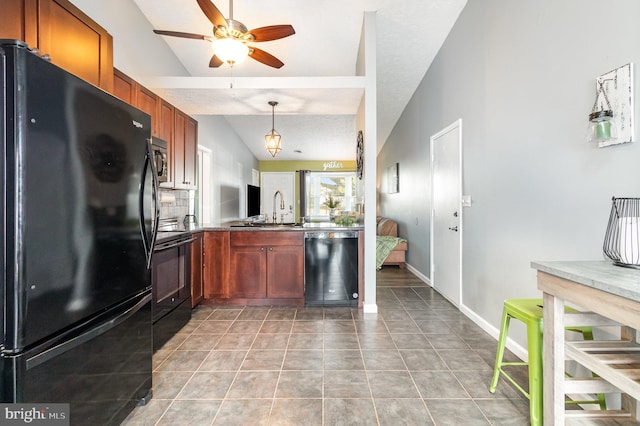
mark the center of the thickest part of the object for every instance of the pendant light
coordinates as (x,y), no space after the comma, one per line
(273,138)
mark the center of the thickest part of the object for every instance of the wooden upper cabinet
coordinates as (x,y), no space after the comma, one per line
(178,150)
(148,102)
(190,151)
(124,87)
(59,29)
(166,121)
(185,149)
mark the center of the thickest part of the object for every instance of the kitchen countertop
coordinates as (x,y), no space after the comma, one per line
(599,274)
(233,226)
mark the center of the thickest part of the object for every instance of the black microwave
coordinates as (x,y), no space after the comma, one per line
(160,158)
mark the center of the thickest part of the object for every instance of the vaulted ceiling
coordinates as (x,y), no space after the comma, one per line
(317,88)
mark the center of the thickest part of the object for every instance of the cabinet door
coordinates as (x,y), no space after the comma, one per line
(148,102)
(165,121)
(216,264)
(185,149)
(124,87)
(247,270)
(13,17)
(190,151)
(59,29)
(197,289)
(285,272)
(178,149)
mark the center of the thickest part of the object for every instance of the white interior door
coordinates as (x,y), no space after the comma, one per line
(446,232)
(270,182)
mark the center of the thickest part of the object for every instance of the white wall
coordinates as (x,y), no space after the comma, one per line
(521,75)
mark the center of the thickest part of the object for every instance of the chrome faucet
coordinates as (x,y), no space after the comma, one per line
(275,216)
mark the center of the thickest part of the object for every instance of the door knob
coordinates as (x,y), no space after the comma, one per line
(453,228)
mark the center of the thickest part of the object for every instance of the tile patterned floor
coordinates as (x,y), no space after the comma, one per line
(419,361)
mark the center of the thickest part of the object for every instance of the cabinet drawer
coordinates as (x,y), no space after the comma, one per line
(267,238)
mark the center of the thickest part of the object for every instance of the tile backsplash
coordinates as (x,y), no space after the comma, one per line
(176,203)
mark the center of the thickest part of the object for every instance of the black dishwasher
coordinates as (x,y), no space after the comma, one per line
(331,268)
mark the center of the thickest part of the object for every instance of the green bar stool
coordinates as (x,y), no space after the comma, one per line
(529,311)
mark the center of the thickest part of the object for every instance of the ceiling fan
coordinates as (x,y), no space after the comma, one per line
(230,38)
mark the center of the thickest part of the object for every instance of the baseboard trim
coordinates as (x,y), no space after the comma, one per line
(512,345)
(419,274)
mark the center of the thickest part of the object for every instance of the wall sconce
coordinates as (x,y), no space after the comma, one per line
(611,118)
(273,138)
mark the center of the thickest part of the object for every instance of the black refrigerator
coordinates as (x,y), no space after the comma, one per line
(79,210)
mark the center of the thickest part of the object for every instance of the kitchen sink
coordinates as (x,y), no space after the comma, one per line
(265,225)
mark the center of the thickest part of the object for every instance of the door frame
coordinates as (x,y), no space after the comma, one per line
(204,187)
(452,127)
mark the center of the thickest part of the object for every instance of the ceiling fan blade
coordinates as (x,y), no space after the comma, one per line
(215,62)
(183,35)
(264,57)
(212,12)
(273,32)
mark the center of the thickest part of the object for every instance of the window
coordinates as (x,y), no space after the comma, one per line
(322,187)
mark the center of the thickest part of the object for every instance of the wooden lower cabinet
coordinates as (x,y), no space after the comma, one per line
(197,255)
(266,267)
(215,272)
(285,272)
(248,272)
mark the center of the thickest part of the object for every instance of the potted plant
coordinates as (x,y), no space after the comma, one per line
(331,204)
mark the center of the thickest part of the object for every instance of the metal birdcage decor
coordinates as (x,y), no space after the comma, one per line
(622,239)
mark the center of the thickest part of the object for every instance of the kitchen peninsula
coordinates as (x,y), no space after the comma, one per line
(262,264)
(612,292)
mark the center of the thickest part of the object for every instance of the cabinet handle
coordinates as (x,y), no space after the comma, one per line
(270,248)
(261,248)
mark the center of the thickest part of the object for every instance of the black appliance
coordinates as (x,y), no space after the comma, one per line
(253,200)
(78,197)
(159,149)
(331,268)
(171,280)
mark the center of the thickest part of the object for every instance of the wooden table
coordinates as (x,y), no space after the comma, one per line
(600,287)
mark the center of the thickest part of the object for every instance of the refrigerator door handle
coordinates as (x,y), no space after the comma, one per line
(146,241)
(89,335)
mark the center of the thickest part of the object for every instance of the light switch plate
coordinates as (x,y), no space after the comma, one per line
(466,201)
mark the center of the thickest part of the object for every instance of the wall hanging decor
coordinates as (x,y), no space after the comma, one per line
(393,178)
(611,118)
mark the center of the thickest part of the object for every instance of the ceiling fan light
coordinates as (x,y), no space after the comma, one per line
(230,50)
(273,142)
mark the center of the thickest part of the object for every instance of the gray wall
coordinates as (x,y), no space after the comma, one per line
(521,76)
(232,162)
